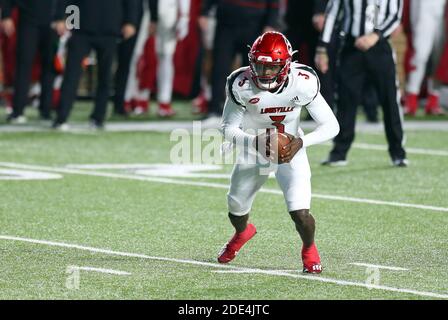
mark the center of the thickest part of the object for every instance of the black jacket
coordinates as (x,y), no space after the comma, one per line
(243,12)
(105,17)
(299,17)
(36,12)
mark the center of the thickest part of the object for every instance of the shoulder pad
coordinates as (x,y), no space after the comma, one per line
(236,80)
(308,82)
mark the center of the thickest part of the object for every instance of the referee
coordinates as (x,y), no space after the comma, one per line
(366,54)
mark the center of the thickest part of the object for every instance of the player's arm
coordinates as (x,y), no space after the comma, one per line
(327,124)
(232,119)
(393,19)
(327,128)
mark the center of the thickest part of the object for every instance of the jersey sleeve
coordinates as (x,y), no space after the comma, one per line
(233,116)
(327,124)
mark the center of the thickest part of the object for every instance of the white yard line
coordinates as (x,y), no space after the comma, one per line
(213,185)
(154,126)
(220,266)
(250,271)
(380,147)
(101,270)
(368,265)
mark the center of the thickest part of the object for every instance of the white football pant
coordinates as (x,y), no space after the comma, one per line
(427,20)
(293,178)
(170,27)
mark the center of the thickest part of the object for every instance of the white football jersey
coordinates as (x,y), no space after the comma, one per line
(249,109)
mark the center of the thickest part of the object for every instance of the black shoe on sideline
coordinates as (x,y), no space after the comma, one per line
(400,163)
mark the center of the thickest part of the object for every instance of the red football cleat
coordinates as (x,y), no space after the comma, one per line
(433,106)
(165,110)
(231,248)
(311,260)
(200,104)
(141,107)
(410,104)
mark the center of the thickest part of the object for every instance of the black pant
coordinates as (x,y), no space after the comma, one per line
(30,38)
(370,102)
(328,80)
(378,65)
(229,40)
(125,53)
(79,47)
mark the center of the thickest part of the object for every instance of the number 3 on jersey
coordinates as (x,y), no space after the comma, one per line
(278,123)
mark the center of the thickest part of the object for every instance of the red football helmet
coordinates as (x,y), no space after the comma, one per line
(270,59)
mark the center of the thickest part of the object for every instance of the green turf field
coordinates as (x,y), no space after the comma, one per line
(163,232)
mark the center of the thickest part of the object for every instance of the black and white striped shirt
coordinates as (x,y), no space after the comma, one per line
(362,17)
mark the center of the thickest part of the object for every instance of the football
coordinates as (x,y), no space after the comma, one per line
(282,140)
(273,141)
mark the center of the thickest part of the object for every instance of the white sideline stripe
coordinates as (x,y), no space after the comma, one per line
(220,266)
(368,265)
(249,271)
(379,147)
(213,185)
(101,270)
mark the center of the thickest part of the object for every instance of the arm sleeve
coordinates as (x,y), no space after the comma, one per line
(130,13)
(332,12)
(327,125)
(153,6)
(319,6)
(6,8)
(61,6)
(393,19)
(232,119)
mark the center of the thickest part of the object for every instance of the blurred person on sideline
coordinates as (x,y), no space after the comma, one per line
(126,52)
(101,35)
(238,24)
(40,23)
(428,41)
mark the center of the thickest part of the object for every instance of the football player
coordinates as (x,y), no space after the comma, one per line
(269,95)
(428,39)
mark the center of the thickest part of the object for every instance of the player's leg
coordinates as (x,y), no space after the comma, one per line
(246,180)
(295,181)
(166,41)
(433,102)
(424,27)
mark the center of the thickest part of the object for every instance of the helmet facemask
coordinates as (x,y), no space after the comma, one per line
(268,74)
